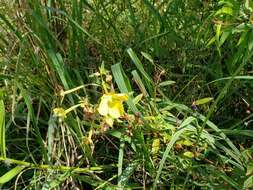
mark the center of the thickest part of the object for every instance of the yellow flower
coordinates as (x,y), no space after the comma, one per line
(111,106)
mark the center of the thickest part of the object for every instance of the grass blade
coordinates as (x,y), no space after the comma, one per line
(236,77)
(139,83)
(120,159)
(123,84)
(11,174)
(229,180)
(216,129)
(123,179)
(2,128)
(238,132)
(28,103)
(147,79)
(138,64)
(174,138)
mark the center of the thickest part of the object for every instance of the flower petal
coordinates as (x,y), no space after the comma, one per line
(103,108)
(116,109)
(112,105)
(109,121)
(119,97)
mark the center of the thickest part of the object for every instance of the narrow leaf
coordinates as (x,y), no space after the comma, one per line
(123,85)
(123,179)
(148,57)
(248,183)
(11,174)
(138,64)
(225,10)
(203,101)
(139,83)
(2,129)
(167,83)
(174,138)
(120,159)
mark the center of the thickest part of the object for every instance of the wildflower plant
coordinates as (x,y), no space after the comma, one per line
(109,107)
(155,130)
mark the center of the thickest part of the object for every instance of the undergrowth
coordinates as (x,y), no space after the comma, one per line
(126,94)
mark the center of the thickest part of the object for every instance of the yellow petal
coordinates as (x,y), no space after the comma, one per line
(116,110)
(109,121)
(119,97)
(112,105)
(103,108)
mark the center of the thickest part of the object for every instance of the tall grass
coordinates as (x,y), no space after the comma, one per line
(186,67)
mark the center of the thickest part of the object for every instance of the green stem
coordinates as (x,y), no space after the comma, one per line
(60,168)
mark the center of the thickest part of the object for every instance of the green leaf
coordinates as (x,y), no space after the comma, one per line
(243,37)
(203,101)
(11,174)
(225,10)
(226,178)
(166,83)
(29,104)
(137,99)
(218,32)
(248,183)
(241,28)
(138,64)
(123,84)
(123,179)
(150,6)
(249,169)
(58,66)
(187,121)
(54,181)
(249,5)
(120,158)
(139,83)
(211,41)
(148,57)
(2,130)
(219,131)
(183,127)
(250,41)
(189,154)
(223,37)
(236,77)
(238,132)
(95,182)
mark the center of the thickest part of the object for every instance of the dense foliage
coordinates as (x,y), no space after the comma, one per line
(131,94)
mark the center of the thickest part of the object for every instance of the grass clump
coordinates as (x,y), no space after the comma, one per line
(125,95)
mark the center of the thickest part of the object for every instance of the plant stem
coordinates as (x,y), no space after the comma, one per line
(60,168)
